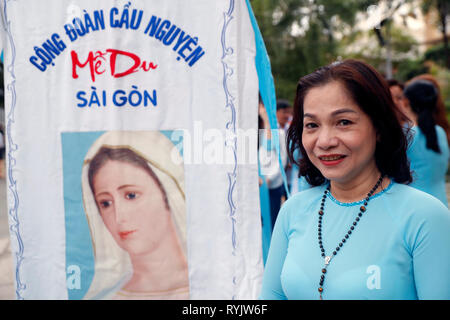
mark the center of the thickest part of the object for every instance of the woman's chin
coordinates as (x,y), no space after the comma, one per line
(137,249)
(334,175)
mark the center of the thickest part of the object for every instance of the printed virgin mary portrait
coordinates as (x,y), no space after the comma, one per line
(134,200)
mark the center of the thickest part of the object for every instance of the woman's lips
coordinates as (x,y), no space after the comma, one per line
(331,159)
(125,234)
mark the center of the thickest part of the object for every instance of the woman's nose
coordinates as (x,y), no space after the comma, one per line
(121,211)
(327,139)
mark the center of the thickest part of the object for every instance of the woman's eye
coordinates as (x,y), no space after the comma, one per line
(105,204)
(131,195)
(310,125)
(344,122)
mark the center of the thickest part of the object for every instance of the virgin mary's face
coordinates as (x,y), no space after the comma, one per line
(132,206)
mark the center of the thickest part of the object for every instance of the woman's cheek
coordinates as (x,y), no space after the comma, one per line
(110,222)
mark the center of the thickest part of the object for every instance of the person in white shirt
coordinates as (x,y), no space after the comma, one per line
(270,167)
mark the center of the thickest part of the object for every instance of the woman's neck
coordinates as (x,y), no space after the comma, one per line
(161,270)
(357,189)
(410,115)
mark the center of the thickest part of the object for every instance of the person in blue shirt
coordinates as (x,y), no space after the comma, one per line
(361,232)
(429,151)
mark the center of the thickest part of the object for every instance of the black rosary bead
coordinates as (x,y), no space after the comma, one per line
(349,232)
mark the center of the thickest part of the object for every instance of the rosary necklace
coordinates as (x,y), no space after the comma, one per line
(327,259)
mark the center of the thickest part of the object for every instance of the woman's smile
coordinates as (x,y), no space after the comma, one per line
(332,159)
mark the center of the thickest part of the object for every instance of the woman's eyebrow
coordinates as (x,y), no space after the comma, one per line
(334,113)
(337,112)
(127,186)
(101,193)
(119,188)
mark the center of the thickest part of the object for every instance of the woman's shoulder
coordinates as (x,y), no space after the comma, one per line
(411,202)
(440,130)
(302,202)
(421,216)
(306,194)
(442,135)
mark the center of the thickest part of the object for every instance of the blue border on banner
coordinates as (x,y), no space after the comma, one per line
(231,129)
(13,211)
(267,88)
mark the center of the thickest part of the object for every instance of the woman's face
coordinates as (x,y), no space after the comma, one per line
(398,97)
(131,205)
(339,138)
(283,116)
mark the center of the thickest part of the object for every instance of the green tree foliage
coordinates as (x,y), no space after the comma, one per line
(301,35)
(442,8)
(364,45)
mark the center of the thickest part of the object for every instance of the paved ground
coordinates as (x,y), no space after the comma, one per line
(6,262)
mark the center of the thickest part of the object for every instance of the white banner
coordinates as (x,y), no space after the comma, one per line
(131,149)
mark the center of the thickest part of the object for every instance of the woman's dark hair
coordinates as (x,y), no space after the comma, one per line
(371,93)
(440,115)
(106,154)
(422,96)
(395,83)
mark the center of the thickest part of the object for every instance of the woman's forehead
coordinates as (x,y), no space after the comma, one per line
(120,170)
(331,98)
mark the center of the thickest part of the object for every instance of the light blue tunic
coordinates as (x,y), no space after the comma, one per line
(297,184)
(428,167)
(400,248)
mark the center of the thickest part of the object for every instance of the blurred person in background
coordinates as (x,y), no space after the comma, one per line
(284,118)
(284,114)
(428,152)
(270,167)
(403,113)
(439,114)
